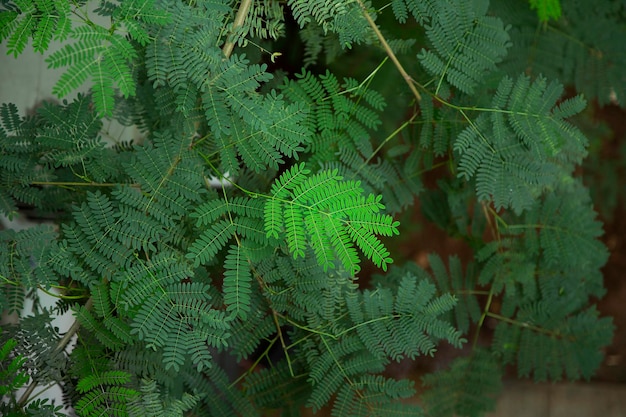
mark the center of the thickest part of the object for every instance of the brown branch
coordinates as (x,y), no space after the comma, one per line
(390,53)
(240,18)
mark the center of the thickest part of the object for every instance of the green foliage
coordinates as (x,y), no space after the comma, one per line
(42,20)
(582,52)
(104,393)
(468,387)
(151,403)
(546,9)
(343,18)
(10,373)
(331,214)
(457,29)
(220,264)
(522,116)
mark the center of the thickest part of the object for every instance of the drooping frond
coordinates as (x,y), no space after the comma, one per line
(340,115)
(110,330)
(276,388)
(422,11)
(185,49)
(168,312)
(454,282)
(262,130)
(552,250)
(169,174)
(89,238)
(103,57)
(218,397)
(394,179)
(237,282)
(417,311)
(569,232)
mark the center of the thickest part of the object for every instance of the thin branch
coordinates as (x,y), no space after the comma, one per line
(242,13)
(390,53)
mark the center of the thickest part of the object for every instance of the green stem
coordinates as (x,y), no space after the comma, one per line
(61,296)
(387,139)
(522,324)
(482,318)
(282,342)
(255,364)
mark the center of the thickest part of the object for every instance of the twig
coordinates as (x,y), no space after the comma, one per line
(242,13)
(390,53)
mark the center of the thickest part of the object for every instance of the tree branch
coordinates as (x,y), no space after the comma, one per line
(390,53)
(242,13)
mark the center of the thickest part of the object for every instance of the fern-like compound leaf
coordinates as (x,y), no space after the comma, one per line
(375,395)
(516,150)
(468,387)
(98,401)
(457,30)
(572,49)
(150,400)
(236,285)
(344,18)
(577,248)
(104,56)
(169,173)
(40,19)
(415,311)
(211,241)
(422,11)
(329,204)
(565,342)
(339,114)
